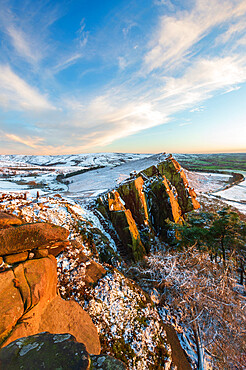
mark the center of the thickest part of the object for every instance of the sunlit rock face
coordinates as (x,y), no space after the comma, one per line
(140,208)
(29,303)
(174,173)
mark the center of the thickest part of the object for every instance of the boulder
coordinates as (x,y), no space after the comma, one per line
(57,247)
(11,303)
(29,305)
(45,351)
(93,272)
(68,317)
(31,283)
(42,279)
(23,285)
(105,362)
(40,253)
(16,258)
(7,220)
(29,236)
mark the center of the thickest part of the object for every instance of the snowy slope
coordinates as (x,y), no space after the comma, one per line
(97,181)
(81,160)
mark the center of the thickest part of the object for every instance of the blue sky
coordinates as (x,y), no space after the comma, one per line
(115,75)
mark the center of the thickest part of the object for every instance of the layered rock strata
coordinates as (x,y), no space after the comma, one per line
(141,207)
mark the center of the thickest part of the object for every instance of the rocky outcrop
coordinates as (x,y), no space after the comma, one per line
(29,236)
(186,196)
(53,351)
(125,226)
(29,303)
(141,207)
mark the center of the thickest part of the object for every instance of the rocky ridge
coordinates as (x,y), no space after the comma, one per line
(139,209)
(90,269)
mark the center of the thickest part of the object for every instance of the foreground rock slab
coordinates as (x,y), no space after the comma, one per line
(7,220)
(45,351)
(29,236)
(29,304)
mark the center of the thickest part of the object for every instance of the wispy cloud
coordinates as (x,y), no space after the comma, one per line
(67,62)
(82,33)
(16,94)
(30,142)
(178,34)
(23,44)
(203,78)
(173,68)
(197,109)
(185,123)
(166,3)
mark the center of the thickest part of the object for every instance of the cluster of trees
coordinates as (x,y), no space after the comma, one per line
(221,234)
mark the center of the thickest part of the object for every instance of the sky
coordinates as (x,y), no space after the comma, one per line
(147,76)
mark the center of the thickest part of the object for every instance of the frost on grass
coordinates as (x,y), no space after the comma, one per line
(83,226)
(201,300)
(129,324)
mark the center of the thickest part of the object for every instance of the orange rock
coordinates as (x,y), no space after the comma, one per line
(11,304)
(195,202)
(31,287)
(23,287)
(7,220)
(114,201)
(94,271)
(42,279)
(176,210)
(58,247)
(17,257)
(68,317)
(29,236)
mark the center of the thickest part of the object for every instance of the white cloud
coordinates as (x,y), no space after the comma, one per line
(23,45)
(122,63)
(167,3)
(31,142)
(67,62)
(197,109)
(83,35)
(16,94)
(105,119)
(178,34)
(185,123)
(202,80)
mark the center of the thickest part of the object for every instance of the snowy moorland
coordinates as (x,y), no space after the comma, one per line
(171,288)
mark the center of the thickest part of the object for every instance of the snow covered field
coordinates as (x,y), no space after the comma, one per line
(104,171)
(65,205)
(97,181)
